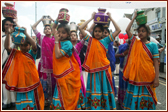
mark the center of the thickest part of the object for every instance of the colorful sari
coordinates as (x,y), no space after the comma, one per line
(100,91)
(68,84)
(20,75)
(140,73)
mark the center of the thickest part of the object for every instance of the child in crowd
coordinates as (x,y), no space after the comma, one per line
(45,68)
(20,74)
(100,91)
(141,70)
(66,70)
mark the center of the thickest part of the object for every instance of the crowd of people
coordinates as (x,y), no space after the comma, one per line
(79,74)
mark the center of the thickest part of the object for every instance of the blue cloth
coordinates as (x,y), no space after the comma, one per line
(33,55)
(26,100)
(111,56)
(24,104)
(153,49)
(66,47)
(122,88)
(122,48)
(138,98)
(99,94)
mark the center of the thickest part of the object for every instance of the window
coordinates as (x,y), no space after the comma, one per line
(158,15)
(163,12)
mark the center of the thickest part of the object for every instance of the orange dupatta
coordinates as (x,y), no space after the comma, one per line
(96,60)
(67,73)
(20,74)
(139,69)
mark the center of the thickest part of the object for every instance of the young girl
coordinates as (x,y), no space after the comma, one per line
(141,71)
(100,91)
(20,75)
(76,50)
(66,71)
(45,68)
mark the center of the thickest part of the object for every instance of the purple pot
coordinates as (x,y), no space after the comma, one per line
(101,17)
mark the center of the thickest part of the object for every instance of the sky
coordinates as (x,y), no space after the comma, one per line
(26,13)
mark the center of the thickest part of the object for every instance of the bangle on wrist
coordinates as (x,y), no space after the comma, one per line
(56,42)
(56,22)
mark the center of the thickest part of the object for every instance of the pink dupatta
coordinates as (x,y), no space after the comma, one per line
(46,54)
(76,52)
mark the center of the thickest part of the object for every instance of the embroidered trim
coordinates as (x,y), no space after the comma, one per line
(63,52)
(36,99)
(60,95)
(9,60)
(29,56)
(150,91)
(147,50)
(87,53)
(65,72)
(137,83)
(87,36)
(26,89)
(133,40)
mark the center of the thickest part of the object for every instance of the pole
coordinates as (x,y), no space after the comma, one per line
(163,43)
(35,11)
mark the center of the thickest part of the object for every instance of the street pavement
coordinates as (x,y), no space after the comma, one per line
(160,93)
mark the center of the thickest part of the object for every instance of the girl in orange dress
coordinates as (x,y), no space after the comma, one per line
(20,75)
(99,90)
(141,70)
(66,71)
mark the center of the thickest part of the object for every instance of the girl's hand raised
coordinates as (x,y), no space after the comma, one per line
(56,36)
(93,15)
(109,14)
(135,14)
(25,31)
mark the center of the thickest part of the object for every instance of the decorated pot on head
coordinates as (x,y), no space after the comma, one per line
(82,21)
(9,11)
(63,16)
(18,37)
(46,20)
(141,18)
(101,17)
(108,24)
(73,26)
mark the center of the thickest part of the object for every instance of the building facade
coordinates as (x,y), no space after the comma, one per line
(156,19)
